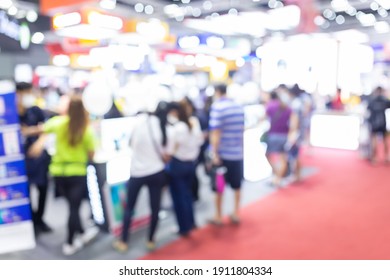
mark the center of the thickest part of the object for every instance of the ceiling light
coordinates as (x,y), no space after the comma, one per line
(207,5)
(189,42)
(12,11)
(351,11)
(383,12)
(340,5)
(106,21)
(21,14)
(196,12)
(37,38)
(149,10)
(32,16)
(233,12)
(340,19)
(65,20)
(384,3)
(214,15)
(319,20)
(139,7)
(367,19)
(179,18)
(382,27)
(325,25)
(215,42)
(329,14)
(188,10)
(185,1)
(5,4)
(374,6)
(108,4)
(171,9)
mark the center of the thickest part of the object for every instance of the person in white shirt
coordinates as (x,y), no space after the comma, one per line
(150,145)
(187,138)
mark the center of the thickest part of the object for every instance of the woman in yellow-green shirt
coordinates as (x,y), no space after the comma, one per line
(75,145)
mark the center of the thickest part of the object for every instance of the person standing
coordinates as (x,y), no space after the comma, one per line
(377,106)
(187,137)
(226,143)
(75,146)
(37,168)
(278,113)
(149,144)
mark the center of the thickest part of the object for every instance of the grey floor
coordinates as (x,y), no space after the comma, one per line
(49,245)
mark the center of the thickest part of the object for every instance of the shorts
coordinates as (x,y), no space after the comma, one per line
(381,131)
(234,173)
(276,143)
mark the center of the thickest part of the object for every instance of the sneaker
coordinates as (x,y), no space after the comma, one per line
(89,235)
(71,249)
(150,245)
(120,246)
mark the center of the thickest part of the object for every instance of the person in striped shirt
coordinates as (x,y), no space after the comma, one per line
(226,127)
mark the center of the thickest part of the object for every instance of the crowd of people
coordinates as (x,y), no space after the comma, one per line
(167,146)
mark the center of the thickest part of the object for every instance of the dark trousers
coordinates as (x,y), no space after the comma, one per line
(73,189)
(155,184)
(38,213)
(181,178)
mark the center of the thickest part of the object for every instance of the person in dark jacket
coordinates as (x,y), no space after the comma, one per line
(37,169)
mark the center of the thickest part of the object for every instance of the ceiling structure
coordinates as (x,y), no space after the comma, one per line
(247,18)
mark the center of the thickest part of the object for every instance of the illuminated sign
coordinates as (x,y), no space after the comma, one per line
(12,29)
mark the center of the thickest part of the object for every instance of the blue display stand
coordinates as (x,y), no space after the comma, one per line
(16,226)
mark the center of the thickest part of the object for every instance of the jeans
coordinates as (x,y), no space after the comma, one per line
(155,183)
(181,178)
(73,189)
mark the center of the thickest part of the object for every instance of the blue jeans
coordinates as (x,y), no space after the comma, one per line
(181,178)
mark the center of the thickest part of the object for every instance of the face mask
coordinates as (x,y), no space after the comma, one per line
(284,98)
(28,100)
(172,119)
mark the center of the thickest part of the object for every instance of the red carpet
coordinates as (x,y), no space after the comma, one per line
(342,212)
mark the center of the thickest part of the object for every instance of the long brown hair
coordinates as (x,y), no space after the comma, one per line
(78,120)
(183,113)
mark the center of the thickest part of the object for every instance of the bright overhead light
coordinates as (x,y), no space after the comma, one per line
(384,3)
(329,14)
(215,42)
(374,6)
(382,27)
(139,7)
(12,11)
(196,12)
(171,9)
(185,1)
(37,38)
(207,5)
(149,9)
(61,60)
(367,19)
(105,21)
(108,4)
(65,20)
(319,20)
(351,11)
(189,42)
(32,16)
(233,12)
(6,4)
(340,5)
(87,32)
(383,12)
(340,19)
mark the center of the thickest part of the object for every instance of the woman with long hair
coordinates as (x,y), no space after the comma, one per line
(75,146)
(149,144)
(187,138)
